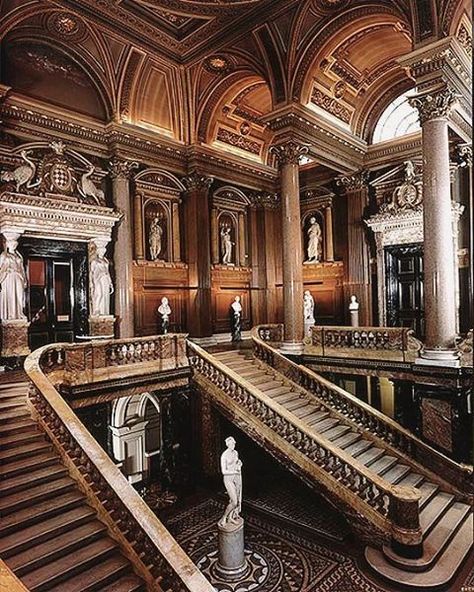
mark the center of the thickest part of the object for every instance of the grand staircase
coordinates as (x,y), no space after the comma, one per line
(50,537)
(445,518)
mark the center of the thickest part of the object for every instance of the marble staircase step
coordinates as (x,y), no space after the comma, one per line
(412,480)
(336,432)
(428,490)
(295,404)
(26,450)
(24,465)
(15,427)
(434,509)
(32,536)
(383,464)
(15,414)
(304,412)
(128,583)
(12,503)
(14,440)
(280,392)
(439,575)
(347,440)
(370,456)
(70,566)
(17,483)
(358,447)
(324,425)
(54,548)
(396,474)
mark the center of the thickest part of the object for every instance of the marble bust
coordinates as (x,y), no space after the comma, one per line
(231,467)
(165,311)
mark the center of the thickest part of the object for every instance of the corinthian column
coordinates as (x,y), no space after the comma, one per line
(198,254)
(288,155)
(120,172)
(439,276)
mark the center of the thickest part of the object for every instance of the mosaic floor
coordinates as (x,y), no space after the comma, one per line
(280,559)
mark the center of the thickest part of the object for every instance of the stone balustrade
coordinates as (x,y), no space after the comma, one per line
(143,539)
(460,477)
(383,505)
(385,343)
(103,359)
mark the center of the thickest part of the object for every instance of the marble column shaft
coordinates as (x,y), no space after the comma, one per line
(329,234)
(138,226)
(121,171)
(439,277)
(198,254)
(288,155)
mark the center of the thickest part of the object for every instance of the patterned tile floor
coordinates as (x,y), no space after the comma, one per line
(294,550)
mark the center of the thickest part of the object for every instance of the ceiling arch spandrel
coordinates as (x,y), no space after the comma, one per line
(359,56)
(47,51)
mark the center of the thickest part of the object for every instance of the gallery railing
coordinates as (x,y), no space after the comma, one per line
(392,510)
(156,556)
(385,343)
(362,414)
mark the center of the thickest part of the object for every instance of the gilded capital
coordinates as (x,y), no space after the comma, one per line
(289,152)
(354,182)
(435,105)
(121,169)
(264,199)
(196,182)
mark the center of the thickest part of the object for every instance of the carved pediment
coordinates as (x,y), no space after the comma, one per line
(400,189)
(53,171)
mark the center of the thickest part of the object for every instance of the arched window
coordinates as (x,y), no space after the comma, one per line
(398,119)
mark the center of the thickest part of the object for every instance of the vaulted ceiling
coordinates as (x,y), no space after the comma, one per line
(211,71)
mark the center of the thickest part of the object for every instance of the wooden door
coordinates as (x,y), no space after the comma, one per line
(404,282)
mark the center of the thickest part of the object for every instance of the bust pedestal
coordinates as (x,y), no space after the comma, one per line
(231,565)
(354,318)
(15,338)
(102,326)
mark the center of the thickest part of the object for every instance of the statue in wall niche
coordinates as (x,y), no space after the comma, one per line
(165,311)
(155,238)
(314,241)
(87,187)
(231,467)
(101,284)
(226,245)
(308,307)
(13,283)
(236,309)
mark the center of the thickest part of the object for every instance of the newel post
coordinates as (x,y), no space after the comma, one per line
(404,513)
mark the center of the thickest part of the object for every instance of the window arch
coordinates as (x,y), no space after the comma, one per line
(398,119)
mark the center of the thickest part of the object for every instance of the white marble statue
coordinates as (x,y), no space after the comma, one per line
(354,311)
(308,307)
(13,283)
(226,245)
(165,311)
(87,187)
(231,467)
(314,241)
(101,283)
(155,238)
(236,307)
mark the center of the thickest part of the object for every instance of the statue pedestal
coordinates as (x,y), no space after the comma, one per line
(308,323)
(354,318)
(232,565)
(15,338)
(102,326)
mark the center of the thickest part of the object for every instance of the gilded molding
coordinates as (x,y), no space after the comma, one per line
(435,105)
(289,152)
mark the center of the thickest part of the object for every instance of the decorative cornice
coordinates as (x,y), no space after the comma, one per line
(121,169)
(289,152)
(435,105)
(355,182)
(196,182)
(264,199)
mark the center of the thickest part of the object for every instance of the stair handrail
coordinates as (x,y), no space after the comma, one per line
(142,536)
(393,509)
(458,475)
(9,581)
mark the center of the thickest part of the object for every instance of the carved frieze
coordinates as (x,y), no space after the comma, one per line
(331,105)
(55,171)
(238,141)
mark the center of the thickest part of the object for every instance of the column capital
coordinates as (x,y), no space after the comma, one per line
(355,182)
(264,199)
(120,168)
(196,182)
(436,104)
(289,152)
